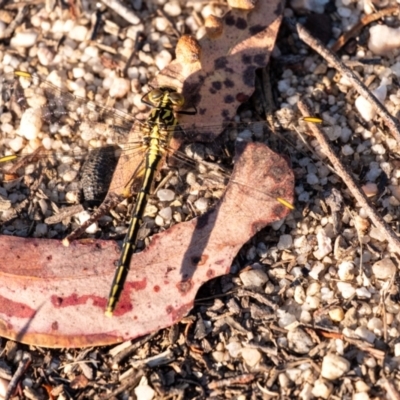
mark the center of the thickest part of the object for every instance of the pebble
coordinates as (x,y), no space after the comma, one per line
(83,217)
(346,290)
(165,194)
(346,271)
(383,39)
(162,59)
(336,314)
(218,356)
(78,33)
(299,295)
(365,108)
(334,366)
(363,293)
(166,213)
(375,325)
(16,144)
(31,123)
(360,396)
(24,39)
(324,245)
(201,204)
(285,318)
(363,333)
(347,150)
(300,341)
(172,8)
(40,230)
(384,269)
(45,56)
(285,242)
(234,348)
(370,189)
(322,388)
(253,277)
(251,356)
(120,88)
(143,391)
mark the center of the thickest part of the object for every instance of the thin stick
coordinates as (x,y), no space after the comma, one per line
(362,199)
(364,21)
(122,11)
(333,60)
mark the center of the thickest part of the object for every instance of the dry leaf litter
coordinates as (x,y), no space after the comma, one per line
(310,309)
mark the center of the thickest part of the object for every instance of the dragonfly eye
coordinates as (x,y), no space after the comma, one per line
(155,96)
(177,99)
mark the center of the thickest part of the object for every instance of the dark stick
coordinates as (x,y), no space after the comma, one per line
(340,170)
(334,61)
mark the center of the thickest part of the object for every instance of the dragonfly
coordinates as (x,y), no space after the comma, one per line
(43,123)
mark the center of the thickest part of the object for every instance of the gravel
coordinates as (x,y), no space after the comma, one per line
(320,314)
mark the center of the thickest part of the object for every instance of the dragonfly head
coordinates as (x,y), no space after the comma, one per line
(165,94)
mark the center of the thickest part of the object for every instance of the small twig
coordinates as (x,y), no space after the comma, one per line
(7,33)
(362,23)
(334,61)
(390,389)
(122,11)
(129,350)
(22,367)
(362,199)
(124,385)
(235,380)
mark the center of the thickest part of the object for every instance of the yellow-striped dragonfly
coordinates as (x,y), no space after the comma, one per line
(66,136)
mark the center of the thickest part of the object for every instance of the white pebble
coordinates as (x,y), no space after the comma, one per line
(166,213)
(143,391)
(324,245)
(300,341)
(172,8)
(361,396)
(234,348)
(322,389)
(384,269)
(346,290)
(16,144)
(334,366)
(165,195)
(83,217)
(363,293)
(24,39)
(78,33)
(162,59)
(299,295)
(69,175)
(254,277)
(45,56)
(365,108)
(31,123)
(363,333)
(201,204)
(120,88)
(375,325)
(383,39)
(285,318)
(251,356)
(346,271)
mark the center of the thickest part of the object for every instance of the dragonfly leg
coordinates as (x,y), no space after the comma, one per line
(111,201)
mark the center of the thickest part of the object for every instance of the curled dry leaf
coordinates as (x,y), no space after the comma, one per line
(55,296)
(217,73)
